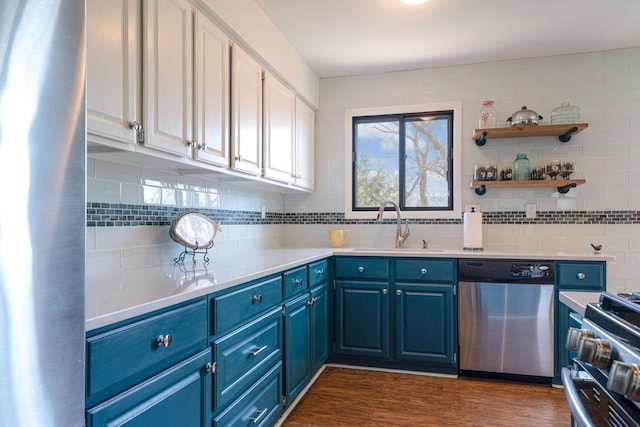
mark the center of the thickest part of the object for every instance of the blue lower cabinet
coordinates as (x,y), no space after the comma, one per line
(425,323)
(179,396)
(319,327)
(297,332)
(362,318)
(244,355)
(260,405)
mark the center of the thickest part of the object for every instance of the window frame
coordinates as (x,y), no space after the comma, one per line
(456,159)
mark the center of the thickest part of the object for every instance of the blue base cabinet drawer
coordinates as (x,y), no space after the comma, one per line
(244,355)
(127,355)
(318,273)
(581,275)
(261,405)
(295,282)
(426,270)
(233,308)
(362,268)
(176,397)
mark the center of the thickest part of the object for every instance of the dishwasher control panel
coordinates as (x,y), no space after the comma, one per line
(518,271)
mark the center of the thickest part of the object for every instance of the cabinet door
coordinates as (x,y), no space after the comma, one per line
(211,93)
(113,68)
(319,327)
(168,76)
(296,346)
(425,323)
(362,318)
(246,101)
(179,396)
(304,146)
(279,119)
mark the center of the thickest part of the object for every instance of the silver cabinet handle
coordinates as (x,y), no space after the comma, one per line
(202,146)
(256,299)
(208,367)
(320,272)
(238,158)
(258,351)
(164,340)
(398,292)
(581,276)
(384,292)
(423,271)
(190,143)
(261,414)
(361,269)
(297,282)
(137,126)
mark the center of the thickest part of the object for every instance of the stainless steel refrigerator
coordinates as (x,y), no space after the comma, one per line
(42,212)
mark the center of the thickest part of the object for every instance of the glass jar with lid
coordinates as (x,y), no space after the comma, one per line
(488,116)
(521,168)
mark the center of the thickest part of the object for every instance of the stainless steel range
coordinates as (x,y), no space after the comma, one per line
(603,387)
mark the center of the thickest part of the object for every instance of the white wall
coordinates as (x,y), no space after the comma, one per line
(606,85)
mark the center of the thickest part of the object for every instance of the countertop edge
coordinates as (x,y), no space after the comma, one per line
(458,253)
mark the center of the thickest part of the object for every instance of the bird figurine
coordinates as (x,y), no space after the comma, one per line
(596,248)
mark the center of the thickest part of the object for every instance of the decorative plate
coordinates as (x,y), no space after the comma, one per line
(194,230)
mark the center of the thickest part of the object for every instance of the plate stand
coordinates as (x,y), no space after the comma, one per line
(193,252)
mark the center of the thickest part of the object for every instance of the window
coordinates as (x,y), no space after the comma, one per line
(409,155)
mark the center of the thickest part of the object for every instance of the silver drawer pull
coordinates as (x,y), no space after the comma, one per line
(361,269)
(398,292)
(320,272)
(258,351)
(256,299)
(581,276)
(163,340)
(261,414)
(423,271)
(297,282)
(384,291)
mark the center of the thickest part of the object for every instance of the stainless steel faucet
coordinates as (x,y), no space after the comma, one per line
(401,236)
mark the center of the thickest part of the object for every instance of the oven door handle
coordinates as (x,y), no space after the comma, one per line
(578,411)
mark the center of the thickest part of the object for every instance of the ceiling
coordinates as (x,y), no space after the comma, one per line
(348,37)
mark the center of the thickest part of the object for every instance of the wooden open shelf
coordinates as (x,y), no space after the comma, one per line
(563,185)
(563,132)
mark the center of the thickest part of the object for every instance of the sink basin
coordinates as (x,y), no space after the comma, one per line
(416,250)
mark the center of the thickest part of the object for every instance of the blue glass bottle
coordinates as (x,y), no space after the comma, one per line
(521,168)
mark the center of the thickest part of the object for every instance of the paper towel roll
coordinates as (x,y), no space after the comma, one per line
(473,230)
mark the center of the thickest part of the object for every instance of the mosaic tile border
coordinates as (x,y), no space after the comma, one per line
(123,215)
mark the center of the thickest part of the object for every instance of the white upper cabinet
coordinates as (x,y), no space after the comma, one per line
(212,93)
(279,130)
(168,75)
(113,68)
(304,146)
(246,102)
(165,81)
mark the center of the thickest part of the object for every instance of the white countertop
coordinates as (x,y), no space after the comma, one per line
(143,290)
(577,300)
(459,253)
(140,291)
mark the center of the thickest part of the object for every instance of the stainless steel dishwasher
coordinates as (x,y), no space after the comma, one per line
(505,318)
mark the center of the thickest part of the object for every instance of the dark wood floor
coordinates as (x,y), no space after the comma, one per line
(353,397)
